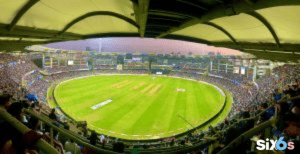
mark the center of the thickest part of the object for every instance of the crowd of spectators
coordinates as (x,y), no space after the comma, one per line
(250,99)
(12,141)
(104,66)
(12,69)
(56,69)
(283,84)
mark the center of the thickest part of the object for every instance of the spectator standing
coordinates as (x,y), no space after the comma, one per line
(102,140)
(72,147)
(93,140)
(5,101)
(52,115)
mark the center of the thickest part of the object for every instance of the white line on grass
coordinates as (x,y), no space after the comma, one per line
(159,135)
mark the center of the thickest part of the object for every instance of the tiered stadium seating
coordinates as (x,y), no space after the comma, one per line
(261,110)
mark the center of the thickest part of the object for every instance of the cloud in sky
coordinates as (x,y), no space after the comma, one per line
(141,45)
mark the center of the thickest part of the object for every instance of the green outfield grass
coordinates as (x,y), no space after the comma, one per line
(142,107)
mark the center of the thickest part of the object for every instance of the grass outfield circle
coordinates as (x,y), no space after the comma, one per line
(139,107)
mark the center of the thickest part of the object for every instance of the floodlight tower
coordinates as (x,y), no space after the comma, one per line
(100,47)
(150,61)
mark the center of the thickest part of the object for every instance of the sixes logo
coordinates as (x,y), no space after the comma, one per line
(271,144)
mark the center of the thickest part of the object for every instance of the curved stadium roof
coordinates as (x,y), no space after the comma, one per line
(268,29)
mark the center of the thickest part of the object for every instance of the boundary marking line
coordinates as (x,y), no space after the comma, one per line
(220,91)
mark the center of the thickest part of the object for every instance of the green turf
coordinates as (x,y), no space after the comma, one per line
(143,107)
(224,113)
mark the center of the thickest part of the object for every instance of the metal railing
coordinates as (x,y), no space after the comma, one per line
(262,112)
(85,142)
(263,126)
(68,134)
(248,134)
(42,144)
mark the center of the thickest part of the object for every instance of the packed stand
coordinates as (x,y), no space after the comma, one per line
(58,69)
(248,102)
(12,69)
(280,92)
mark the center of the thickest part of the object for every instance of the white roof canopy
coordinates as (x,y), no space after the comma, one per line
(250,26)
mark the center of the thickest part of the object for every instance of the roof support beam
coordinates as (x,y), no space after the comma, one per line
(170,13)
(192,4)
(274,56)
(221,29)
(268,51)
(167,14)
(19,45)
(266,23)
(19,15)
(234,8)
(141,14)
(168,19)
(29,32)
(99,13)
(259,46)
(110,35)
